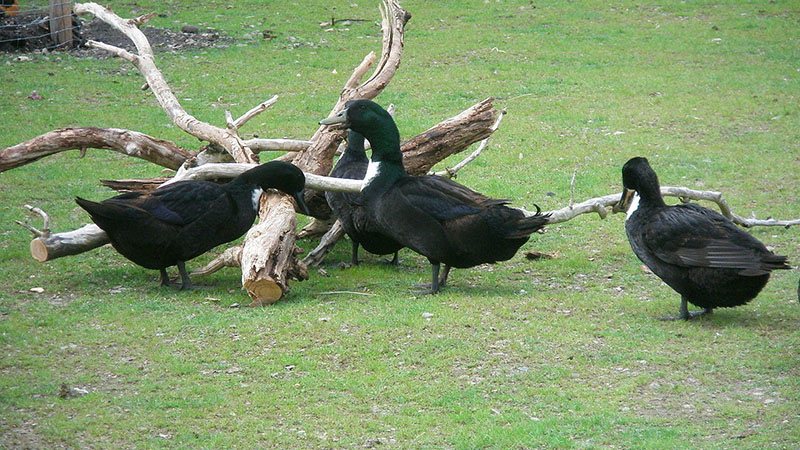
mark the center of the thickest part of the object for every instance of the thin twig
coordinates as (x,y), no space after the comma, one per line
(143,19)
(238,123)
(272,145)
(117,51)
(229,121)
(347,292)
(572,187)
(29,227)
(44,215)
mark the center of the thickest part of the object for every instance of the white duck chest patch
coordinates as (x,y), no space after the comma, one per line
(373,169)
(256,197)
(633,207)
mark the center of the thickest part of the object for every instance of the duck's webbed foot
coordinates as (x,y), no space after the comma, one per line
(354,254)
(186,282)
(167,282)
(436,282)
(685,314)
(394,262)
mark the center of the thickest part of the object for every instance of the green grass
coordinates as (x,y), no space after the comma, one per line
(561,353)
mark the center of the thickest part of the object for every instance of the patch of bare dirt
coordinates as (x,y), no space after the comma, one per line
(27,33)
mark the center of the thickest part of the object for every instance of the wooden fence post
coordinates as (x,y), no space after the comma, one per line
(61,22)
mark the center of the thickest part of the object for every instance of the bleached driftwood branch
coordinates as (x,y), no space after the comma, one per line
(132,143)
(328,241)
(600,205)
(128,142)
(258,109)
(145,62)
(319,157)
(215,171)
(283,145)
(276,261)
(48,246)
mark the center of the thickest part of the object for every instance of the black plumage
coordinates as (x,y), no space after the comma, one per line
(350,209)
(698,252)
(183,220)
(448,223)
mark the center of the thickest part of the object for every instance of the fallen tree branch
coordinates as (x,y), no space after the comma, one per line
(316,160)
(450,172)
(600,205)
(145,62)
(328,241)
(47,246)
(266,274)
(277,145)
(216,171)
(131,143)
(50,246)
(231,257)
(319,157)
(716,197)
(238,123)
(450,136)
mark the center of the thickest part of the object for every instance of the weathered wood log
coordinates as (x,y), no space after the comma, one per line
(449,137)
(318,158)
(265,275)
(134,184)
(277,145)
(450,172)
(51,246)
(444,139)
(326,244)
(46,246)
(89,237)
(231,257)
(131,143)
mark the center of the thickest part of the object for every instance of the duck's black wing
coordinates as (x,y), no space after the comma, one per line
(452,223)
(444,199)
(179,203)
(689,235)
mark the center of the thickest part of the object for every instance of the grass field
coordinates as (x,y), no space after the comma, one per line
(560,353)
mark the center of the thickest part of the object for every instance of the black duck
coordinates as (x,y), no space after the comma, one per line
(698,252)
(349,208)
(448,223)
(183,220)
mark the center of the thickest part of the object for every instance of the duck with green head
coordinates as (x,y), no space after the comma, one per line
(349,208)
(438,218)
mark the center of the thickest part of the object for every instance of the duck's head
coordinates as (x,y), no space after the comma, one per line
(359,115)
(279,175)
(638,178)
(372,121)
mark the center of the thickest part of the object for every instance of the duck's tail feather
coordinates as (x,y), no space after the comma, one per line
(104,213)
(775,262)
(90,206)
(529,224)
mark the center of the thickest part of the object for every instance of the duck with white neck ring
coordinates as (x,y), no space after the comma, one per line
(438,218)
(183,220)
(698,252)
